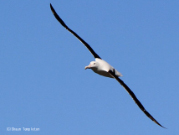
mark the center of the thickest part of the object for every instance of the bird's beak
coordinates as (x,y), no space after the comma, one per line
(88,67)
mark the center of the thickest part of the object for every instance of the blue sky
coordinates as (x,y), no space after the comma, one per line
(43,81)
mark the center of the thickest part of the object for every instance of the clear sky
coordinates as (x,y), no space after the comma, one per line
(43,84)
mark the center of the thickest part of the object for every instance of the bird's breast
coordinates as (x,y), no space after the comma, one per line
(102,72)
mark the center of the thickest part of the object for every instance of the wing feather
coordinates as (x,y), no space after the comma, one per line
(71,31)
(135,98)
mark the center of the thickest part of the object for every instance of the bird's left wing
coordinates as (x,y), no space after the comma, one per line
(134,98)
(71,31)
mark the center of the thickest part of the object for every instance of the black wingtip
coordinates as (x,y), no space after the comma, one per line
(53,10)
(159,124)
(162,126)
(58,17)
(51,6)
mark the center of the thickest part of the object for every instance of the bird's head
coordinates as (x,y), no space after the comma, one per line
(92,65)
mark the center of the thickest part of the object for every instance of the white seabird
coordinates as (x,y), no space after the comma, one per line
(101,67)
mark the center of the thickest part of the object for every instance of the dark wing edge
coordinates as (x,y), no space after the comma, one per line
(135,98)
(71,31)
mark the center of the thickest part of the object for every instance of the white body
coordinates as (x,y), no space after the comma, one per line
(101,67)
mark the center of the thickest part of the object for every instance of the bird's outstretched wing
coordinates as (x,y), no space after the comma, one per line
(135,98)
(71,31)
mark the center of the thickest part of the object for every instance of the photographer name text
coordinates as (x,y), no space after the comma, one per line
(27,129)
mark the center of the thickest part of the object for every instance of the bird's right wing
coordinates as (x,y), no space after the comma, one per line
(134,98)
(71,31)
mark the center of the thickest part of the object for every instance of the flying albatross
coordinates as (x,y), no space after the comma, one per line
(101,67)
